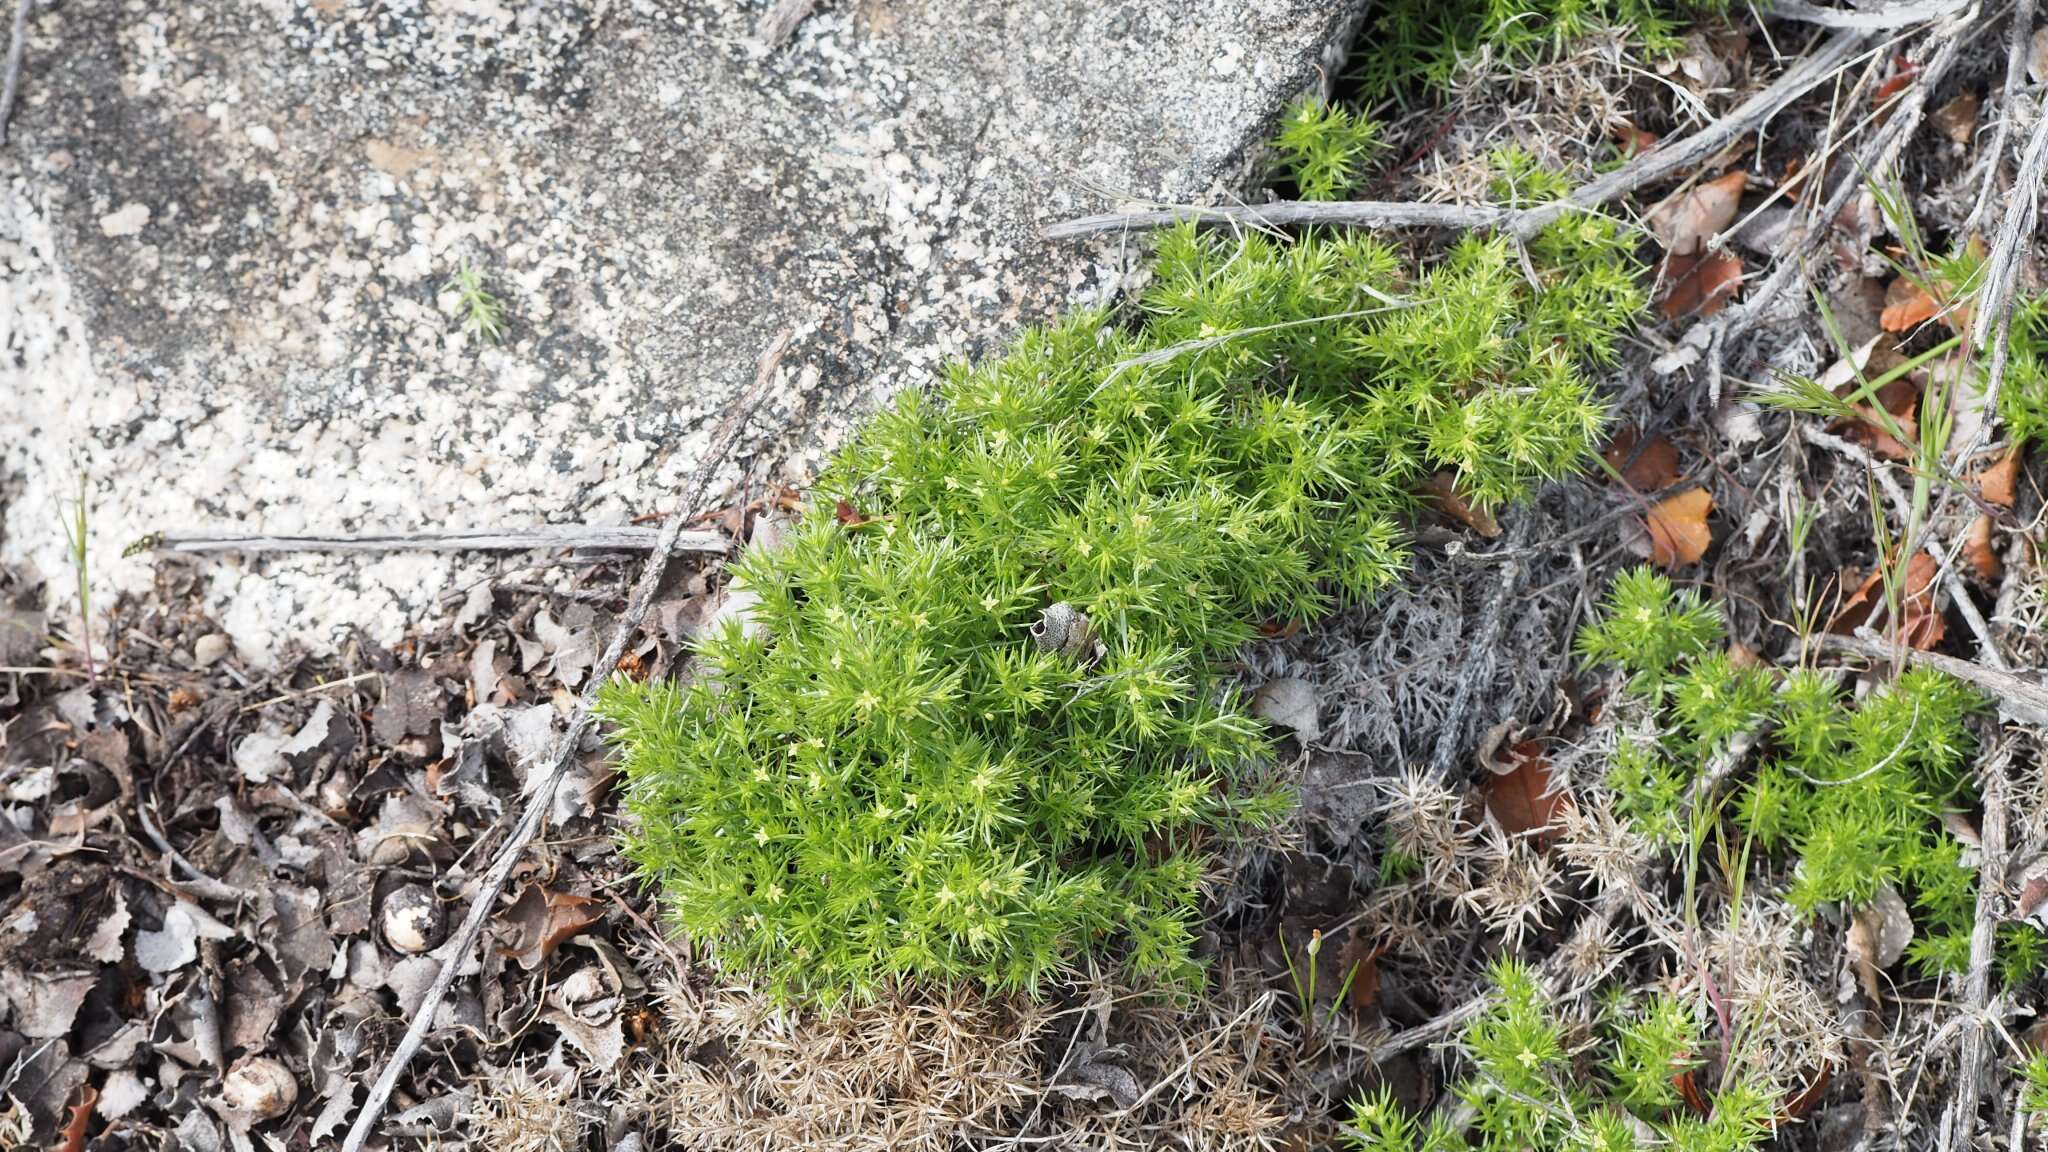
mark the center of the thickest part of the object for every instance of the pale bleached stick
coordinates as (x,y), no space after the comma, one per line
(486,895)
(621,538)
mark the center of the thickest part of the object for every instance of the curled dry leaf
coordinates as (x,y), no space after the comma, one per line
(1520,795)
(1685,220)
(1978,550)
(1878,935)
(1957,119)
(1907,305)
(540,921)
(1679,533)
(1291,704)
(1698,285)
(1922,626)
(1998,484)
(1652,467)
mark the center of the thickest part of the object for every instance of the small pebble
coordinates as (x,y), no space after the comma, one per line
(412,919)
(209,650)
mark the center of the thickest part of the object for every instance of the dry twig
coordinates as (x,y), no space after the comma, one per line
(2023,699)
(1645,169)
(624,538)
(1958,1123)
(1994,306)
(2018,53)
(1880,18)
(17,44)
(484,898)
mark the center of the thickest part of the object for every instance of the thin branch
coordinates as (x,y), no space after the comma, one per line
(1280,214)
(17,44)
(1877,155)
(484,899)
(1961,1120)
(1645,169)
(2018,54)
(624,538)
(1995,305)
(2021,698)
(1882,18)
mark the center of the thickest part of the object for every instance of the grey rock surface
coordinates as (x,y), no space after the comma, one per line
(228,228)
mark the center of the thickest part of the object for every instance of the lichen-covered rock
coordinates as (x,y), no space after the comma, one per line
(228,232)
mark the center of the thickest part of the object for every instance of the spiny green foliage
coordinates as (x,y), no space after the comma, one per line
(884,779)
(1422,41)
(1528,1091)
(2023,398)
(1857,793)
(2034,1084)
(483,315)
(1324,148)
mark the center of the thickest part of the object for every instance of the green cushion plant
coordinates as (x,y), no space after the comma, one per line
(981,718)
(1530,1091)
(1858,794)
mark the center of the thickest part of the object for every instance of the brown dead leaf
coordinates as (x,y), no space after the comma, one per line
(1998,484)
(1907,305)
(1902,78)
(1361,963)
(1651,468)
(1519,792)
(846,514)
(72,1139)
(1698,285)
(2037,55)
(1800,1105)
(540,921)
(1634,141)
(1689,1091)
(1918,622)
(1441,490)
(1684,220)
(1957,119)
(1901,399)
(1679,533)
(1978,551)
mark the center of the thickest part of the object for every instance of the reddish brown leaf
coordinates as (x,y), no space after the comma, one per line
(1698,285)
(72,1139)
(1362,963)
(1917,621)
(1679,533)
(1978,551)
(1689,1091)
(1519,795)
(1907,305)
(1957,119)
(1899,80)
(1280,629)
(1800,1105)
(1651,468)
(1998,484)
(1683,221)
(1901,400)
(1634,141)
(540,921)
(847,515)
(1442,492)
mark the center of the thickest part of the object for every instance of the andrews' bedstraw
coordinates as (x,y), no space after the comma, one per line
(882,778)
(1857,794)
(1529,1092)
(1324,148)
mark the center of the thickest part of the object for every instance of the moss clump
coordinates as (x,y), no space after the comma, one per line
(897,773)
(1422,41)
(1530,1092)
(2023,398)
(1856,794)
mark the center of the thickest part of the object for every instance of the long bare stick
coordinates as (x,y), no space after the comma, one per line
(1885,17)
(2020,697)
(1645,169)
(623,538)
(2018,53)
(485,898)
(1961,1121)
(1993,324)
(17,43)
